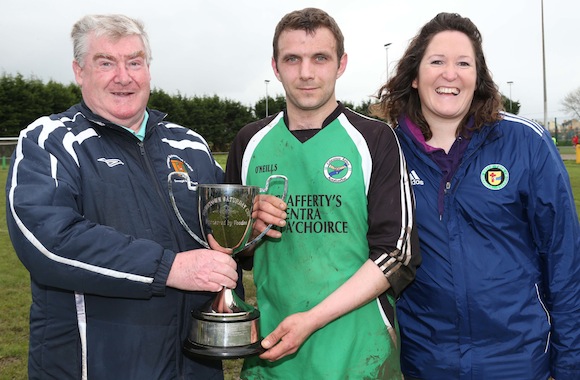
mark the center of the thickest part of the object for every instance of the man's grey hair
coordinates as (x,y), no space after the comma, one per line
(113,27)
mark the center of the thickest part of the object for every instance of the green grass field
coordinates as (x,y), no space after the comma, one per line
(15,296)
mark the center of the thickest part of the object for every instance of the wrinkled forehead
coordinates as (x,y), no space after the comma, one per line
(116,46)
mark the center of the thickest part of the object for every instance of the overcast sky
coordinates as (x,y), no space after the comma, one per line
(223,48)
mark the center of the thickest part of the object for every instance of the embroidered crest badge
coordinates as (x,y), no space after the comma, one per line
(495,176)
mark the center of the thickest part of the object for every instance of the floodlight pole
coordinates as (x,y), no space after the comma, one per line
(267,81)
(544,71)
(387,50)
(510,84)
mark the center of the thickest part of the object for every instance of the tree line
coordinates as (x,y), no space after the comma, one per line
(23,100)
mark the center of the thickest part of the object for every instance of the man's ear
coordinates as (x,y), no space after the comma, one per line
(275,68)
(342,65)
(77,69)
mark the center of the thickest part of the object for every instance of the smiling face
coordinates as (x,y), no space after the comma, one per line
(447,78)
(115,79)
(308,68)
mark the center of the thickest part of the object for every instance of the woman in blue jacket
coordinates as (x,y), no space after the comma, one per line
(498,292)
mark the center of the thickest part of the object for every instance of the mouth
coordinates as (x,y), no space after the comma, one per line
(447,90)
(122,93)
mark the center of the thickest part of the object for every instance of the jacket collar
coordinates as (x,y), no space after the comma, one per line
(488,133)
(155,117)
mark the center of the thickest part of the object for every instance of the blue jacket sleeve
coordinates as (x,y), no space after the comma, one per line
(57,244)
(555,227)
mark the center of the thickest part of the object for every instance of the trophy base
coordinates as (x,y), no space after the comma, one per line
(194,350)
(222,336)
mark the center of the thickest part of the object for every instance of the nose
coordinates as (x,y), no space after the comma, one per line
(450,72)
(122,75)
(306,71)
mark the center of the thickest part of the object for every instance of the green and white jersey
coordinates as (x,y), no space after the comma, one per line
(348,200)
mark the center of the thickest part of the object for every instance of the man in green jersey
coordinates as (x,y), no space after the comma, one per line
(326,289)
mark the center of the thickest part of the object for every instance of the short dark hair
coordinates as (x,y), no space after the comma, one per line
(398,96)
(309,19)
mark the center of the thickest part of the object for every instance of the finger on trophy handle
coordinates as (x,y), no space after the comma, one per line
(283,197)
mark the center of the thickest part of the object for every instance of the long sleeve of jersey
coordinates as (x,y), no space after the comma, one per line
(392,233)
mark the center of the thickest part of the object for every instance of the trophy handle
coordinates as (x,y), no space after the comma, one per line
(283,197)
(191,186)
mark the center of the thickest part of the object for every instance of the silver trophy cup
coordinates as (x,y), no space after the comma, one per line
(226,327)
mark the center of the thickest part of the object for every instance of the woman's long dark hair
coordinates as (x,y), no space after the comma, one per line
(398,96)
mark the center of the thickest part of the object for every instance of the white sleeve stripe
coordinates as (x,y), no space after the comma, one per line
(183,144)
(252,145)
(403,252)
(360,142)
(532,124)
(404,243)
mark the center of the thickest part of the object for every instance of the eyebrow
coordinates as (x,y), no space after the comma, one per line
(315,54)
(439,55)
(137,54)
